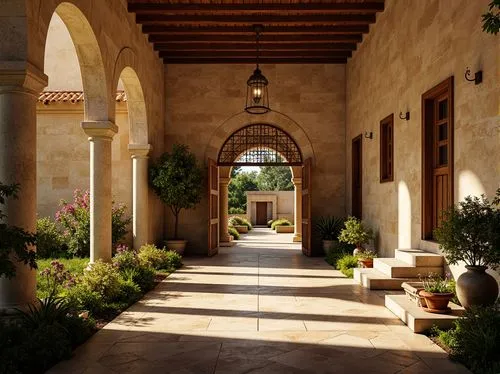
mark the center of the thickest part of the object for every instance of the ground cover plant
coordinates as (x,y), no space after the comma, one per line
(346,264)
(474,340)
(233,232)
(336,251)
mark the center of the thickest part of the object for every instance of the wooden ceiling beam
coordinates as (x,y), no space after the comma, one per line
(296,19)
(225,60)
(250,39)
(251,54)
(252,47)
(245,30)
(330,8)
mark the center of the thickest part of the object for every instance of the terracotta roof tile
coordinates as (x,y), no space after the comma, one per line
(74,97)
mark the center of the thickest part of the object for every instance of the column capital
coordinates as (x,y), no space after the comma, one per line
(225,181)
(296,181)
(21,75)
(139,150)
(99,129)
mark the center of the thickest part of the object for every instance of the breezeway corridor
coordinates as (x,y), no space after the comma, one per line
(258,307)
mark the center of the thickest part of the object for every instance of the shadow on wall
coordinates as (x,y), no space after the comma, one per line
(404,216)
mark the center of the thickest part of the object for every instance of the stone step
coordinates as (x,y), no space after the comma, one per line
(417,257)
(417,319)
(394,268)
(373,279)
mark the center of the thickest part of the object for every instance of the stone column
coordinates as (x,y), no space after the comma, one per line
(223,209)
(20,85)
(140,205)
(100,135)
(297,237)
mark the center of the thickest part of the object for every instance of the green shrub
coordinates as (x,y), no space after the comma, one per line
(130,290)
(346,264)
(79,329)
(82,298)
(329,227)
(102,278)
(475,339)
(235,210)
(239,221)
(280,222)
(49,241)
(270,222)
(336,251)
(232,231)
(355,232)
(159,259)
(141,276)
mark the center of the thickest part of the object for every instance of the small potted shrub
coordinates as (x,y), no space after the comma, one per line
(177,179)
(437,293)
(329,228)
(365,258)
(356,233)
(470,233)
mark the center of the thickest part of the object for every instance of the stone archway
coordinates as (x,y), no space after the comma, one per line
(139,147)
(220,144)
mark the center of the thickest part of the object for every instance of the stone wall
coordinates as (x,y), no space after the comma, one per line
(280,204)
(63,157)
(200,98)
(414,46)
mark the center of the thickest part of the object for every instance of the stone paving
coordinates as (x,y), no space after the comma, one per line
(258,307)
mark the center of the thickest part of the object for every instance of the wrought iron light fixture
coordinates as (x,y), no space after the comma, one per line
(405,116)
(478,76)
(257,97)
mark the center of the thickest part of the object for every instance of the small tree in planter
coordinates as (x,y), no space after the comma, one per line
(356,233)
(178,181)
(470,232)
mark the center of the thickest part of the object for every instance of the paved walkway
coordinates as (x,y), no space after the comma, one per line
(258,307)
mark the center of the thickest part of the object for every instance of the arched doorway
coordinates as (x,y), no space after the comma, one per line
(258,144)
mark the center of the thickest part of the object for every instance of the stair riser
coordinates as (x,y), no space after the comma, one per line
(409,258)
(382,284)
(407,272)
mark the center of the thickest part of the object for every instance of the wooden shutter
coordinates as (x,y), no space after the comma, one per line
(213,208)
(306,208)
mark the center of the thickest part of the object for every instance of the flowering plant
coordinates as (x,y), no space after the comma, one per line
(436,284)
(56,277)
(75,219)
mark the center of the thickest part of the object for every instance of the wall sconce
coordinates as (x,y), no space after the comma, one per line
(368,135)
(406,116)
(478,76)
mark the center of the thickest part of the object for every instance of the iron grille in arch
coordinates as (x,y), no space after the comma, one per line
(260,145)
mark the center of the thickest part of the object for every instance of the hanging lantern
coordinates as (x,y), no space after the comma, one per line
(257,96)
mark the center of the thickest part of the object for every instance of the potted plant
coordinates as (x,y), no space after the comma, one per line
(178,181)
(356,233)
(365,258)
(470,233)
(329,229)
(437,293)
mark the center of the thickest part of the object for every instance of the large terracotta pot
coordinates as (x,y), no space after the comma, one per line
(437,302)
(176,245)
(476,287)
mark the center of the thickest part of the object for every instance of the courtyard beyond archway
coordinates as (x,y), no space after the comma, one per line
(259,308)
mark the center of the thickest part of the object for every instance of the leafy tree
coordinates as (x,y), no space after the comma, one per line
(491,19)
(275,178)
(15,242)
(177,179)
(240,183)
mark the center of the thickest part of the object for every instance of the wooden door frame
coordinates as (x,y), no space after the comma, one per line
(428,98)
(356,139)
(257,217)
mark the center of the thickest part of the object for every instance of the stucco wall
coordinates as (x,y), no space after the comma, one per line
(280,204)
(414,46)
(200,98)
(63,157)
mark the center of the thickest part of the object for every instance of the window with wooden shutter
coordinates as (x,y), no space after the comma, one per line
(387,149)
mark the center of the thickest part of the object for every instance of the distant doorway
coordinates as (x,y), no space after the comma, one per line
(261,219)
(357,179)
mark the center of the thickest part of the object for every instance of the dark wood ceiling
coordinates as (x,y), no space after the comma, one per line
(206,31)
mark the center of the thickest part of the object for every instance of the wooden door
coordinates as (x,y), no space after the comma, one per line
(213,208)
(306,208)
(437,157)
(357,177)
(261,218)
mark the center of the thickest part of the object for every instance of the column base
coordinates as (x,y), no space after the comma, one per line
(297,238)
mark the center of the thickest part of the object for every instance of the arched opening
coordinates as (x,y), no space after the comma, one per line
(134,144)
(260,145)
